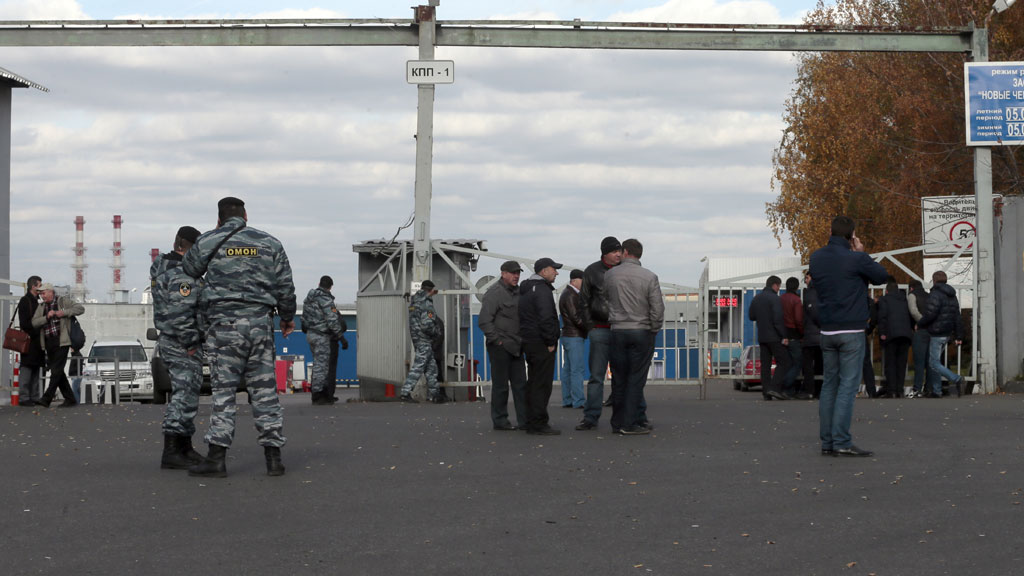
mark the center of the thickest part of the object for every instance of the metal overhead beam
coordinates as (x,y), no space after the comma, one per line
(525,34)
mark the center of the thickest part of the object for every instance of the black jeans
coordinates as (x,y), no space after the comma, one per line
(812,367)
(539,382)
(332,370)
(895,351)
(783,362)
(57,358)
(507,371)
(631,355)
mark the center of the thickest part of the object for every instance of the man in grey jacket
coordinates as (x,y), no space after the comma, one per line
(636,311)
(499,321)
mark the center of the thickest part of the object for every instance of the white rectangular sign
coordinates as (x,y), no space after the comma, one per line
(430,71)
(959,274)
(950,219)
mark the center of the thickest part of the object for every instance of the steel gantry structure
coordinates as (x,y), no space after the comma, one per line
(424,31)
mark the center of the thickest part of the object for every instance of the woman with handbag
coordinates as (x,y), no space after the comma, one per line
(51,318)
(33,362)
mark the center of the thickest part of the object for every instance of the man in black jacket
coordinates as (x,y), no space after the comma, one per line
(917,302)
(539,330)
(811,357)
(499,321)
(594,311)
(942,319)
(766,311)
(33,362)
(895,328)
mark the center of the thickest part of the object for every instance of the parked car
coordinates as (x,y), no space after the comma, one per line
(746,369)
(124,362)
(162,379)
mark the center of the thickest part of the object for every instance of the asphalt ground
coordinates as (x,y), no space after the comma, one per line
(727,485)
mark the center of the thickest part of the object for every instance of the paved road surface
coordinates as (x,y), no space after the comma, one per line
(729,485)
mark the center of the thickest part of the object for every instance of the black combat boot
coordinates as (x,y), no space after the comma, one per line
(321,399)
(189,452)
(213,466)
(173,458)
(274,466)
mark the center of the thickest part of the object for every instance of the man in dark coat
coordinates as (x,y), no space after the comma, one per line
(811,357)
(895,328)
(33,362)
(766,311)
(942,319)
(917,302)
(539,330)
(842,271)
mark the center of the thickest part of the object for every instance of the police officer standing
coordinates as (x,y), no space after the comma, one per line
(322,325)
(247,277)
(422,328)
(175,300)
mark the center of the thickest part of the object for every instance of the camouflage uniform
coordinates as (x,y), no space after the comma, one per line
(246,279)
(322,325)
(175,299)
(422,328)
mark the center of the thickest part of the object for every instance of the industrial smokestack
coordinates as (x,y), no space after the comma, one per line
(78,290)
(118,294)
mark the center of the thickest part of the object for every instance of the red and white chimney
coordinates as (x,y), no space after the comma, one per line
(78,291)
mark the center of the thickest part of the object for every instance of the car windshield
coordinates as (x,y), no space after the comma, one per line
(118,353)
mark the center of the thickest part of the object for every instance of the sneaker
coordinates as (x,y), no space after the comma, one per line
(913,394)
(67,404)
(586,425)
(635,431)
(408,398)
(545,431)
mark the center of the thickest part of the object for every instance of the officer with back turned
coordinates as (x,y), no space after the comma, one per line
(322,325)
(175,300)
(247,278)
(422,329)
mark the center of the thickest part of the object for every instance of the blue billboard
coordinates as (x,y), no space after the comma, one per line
(994,98)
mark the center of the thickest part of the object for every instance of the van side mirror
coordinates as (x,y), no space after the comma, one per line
(151,334)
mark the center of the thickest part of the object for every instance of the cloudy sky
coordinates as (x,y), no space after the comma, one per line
(539,152)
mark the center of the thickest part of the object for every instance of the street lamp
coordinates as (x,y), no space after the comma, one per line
(999,6)
(130,295)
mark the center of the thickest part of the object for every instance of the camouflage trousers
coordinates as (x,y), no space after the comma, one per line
(320,345)
(424,363)
(237,347)
(186,374)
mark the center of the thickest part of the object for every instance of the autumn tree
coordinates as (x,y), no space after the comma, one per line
(869,133)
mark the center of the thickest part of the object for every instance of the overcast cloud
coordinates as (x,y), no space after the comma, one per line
(539,152)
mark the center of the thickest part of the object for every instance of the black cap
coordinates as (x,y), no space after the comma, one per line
(511,266)
(230,201)
(189,234)
(326,282)
(427,285)
(610,244)
(576,273)
(544,263)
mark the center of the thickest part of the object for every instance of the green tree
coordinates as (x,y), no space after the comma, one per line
(869,133)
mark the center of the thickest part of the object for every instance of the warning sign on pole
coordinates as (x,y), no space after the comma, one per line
(950,221)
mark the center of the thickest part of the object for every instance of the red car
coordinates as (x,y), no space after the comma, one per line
(746,369)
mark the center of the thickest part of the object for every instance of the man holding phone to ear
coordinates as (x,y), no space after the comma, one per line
(842,271)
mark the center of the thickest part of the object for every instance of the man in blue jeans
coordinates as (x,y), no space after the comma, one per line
(942,320)
(594,311)
(574,335)
(842,272)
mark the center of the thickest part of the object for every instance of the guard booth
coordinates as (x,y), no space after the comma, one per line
(382,306)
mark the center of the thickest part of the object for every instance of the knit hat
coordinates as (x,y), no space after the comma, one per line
(610,244)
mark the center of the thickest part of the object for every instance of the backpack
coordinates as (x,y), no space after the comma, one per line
(76,333)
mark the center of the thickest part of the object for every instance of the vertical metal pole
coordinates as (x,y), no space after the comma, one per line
(984,247)
(6,372)
(425,17)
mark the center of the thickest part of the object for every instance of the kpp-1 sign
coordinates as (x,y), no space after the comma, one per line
(430,71)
